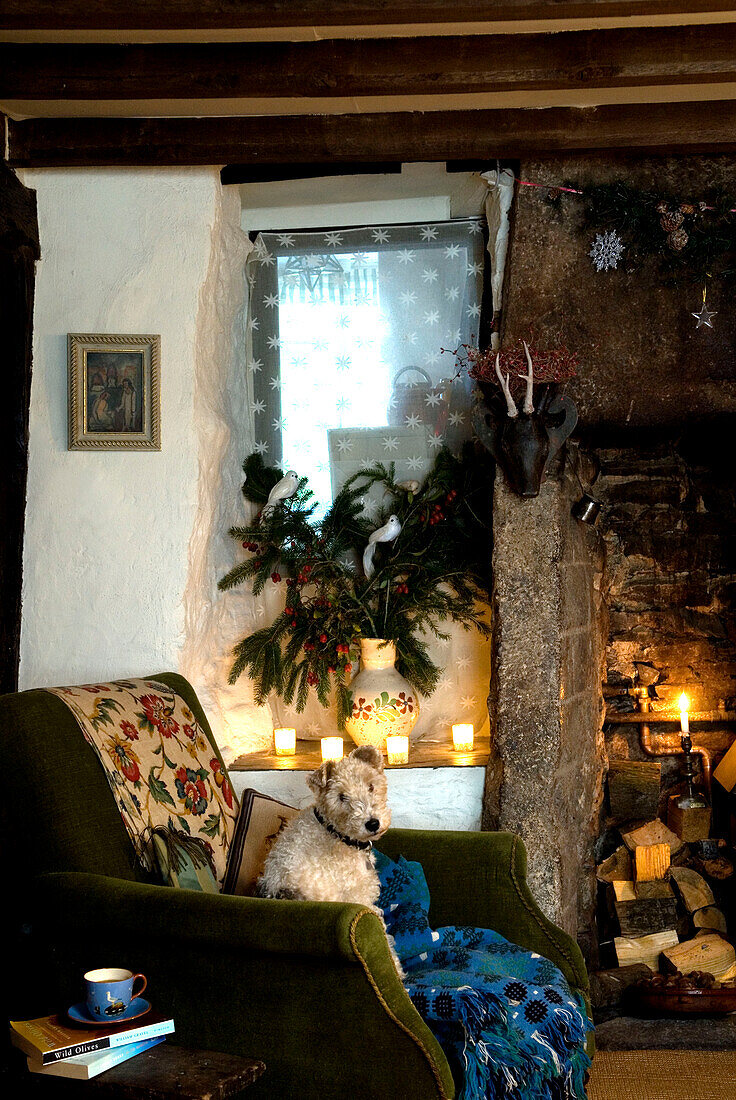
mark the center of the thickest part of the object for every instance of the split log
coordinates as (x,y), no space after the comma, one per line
(643,916)
(654,832)
(693,889)
(633,790)
(616,867)
(652,861)
(623,891)
(655,888)
(644,949)
(607,987)
(689,824)
(725,773)
(718,869)
(711,954)
(711,918)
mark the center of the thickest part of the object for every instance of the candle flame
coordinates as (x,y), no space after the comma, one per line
(684,702)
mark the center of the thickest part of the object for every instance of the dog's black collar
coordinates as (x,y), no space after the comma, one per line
(362,844)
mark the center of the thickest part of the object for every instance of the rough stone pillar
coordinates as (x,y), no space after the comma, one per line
(544,780)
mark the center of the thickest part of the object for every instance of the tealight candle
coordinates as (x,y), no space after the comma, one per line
(331,748)
(284,740)
(684,718)
(397,749)
(462,737)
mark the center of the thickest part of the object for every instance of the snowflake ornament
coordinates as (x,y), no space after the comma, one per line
(607,250)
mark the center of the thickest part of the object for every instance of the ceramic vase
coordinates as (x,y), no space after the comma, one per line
(383,702)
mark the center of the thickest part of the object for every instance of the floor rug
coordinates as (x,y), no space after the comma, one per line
(663,1075)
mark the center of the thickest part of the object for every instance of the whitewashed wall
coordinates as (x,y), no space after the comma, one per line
(107,534)
(123,549)
(420,798)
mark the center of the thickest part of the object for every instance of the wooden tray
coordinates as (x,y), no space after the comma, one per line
(686,1001)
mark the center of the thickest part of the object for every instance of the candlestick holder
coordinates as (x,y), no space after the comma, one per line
(691,799)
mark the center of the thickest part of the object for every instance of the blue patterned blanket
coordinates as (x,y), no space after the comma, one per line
(506,1016)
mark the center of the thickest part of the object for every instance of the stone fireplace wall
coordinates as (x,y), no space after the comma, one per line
(670,532)
(656,400)
(669,526)
(545,778)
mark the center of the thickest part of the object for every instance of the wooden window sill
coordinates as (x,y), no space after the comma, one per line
(422,754)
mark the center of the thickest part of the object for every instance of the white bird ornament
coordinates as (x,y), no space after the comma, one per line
(282,490)
(390,531)
(410,486)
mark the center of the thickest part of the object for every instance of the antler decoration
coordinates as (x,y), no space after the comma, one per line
(511,408)
(529,395)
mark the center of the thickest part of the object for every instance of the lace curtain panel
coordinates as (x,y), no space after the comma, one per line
(346,331)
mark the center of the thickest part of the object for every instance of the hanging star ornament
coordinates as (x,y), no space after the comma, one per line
(704,316)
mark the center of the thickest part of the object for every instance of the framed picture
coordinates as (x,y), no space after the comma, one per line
(114,392)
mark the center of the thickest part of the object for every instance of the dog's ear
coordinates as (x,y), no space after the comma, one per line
(369,754)
(318,780)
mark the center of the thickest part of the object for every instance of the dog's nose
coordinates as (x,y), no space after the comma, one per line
(373,824)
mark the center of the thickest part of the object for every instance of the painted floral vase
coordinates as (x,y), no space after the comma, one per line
(383,702)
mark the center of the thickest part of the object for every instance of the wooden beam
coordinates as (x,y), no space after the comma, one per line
(231,14)
(344,139)
(266,173)
(371,67)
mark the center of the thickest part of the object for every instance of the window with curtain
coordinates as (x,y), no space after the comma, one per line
(347,329)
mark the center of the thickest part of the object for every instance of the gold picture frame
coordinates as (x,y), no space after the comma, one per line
(114,392)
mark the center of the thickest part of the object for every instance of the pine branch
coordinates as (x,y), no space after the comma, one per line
(436,571)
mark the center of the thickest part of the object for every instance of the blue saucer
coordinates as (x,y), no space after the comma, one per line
(139,1006)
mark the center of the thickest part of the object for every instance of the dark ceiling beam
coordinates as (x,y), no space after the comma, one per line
(371,67)
(233,14)
(267,173)
(344,139)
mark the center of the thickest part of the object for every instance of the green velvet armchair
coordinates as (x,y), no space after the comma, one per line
(307,987)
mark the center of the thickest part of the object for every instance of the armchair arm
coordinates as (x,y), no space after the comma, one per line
(308,987)
(479,879)
(214,921)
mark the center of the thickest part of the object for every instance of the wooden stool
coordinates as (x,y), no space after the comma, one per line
(165,1072)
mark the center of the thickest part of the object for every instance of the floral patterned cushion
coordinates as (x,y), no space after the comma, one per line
(162,768)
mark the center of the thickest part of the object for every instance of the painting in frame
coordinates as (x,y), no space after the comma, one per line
(114,392)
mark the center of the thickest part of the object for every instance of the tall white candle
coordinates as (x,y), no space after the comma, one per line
(684,718)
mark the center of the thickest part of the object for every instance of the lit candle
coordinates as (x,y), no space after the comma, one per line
(684,720)
(331,748)
(397,749)
(462,737)
(285,741)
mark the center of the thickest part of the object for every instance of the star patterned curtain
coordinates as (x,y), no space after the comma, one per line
(348,329)
(351,334)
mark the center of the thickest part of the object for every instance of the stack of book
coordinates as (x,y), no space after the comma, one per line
(56,1047)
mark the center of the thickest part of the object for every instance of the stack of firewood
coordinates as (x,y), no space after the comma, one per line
(661,885)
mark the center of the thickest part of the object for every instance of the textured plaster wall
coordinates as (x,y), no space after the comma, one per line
(215,621)
(108,534)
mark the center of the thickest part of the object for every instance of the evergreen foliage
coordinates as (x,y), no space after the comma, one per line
(436,571)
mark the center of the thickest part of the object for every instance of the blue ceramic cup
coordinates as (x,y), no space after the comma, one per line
(109,992)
